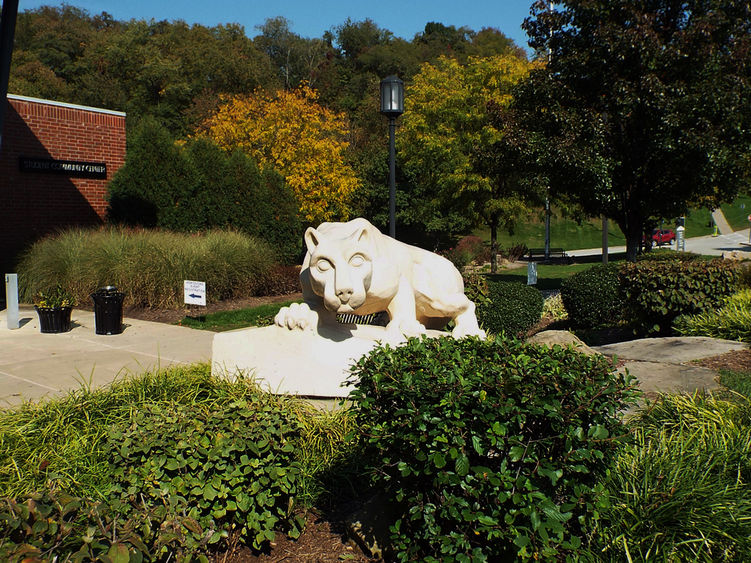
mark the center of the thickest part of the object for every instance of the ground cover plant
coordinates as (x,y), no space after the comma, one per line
(487,450)
(148,266)
(172,460)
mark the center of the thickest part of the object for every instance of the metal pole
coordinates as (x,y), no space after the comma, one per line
(392,178)
(7,31)
(547,229)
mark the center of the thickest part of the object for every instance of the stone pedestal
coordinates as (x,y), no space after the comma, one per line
(293,362)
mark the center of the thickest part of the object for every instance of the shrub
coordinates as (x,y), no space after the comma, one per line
(592,297)
(668,256)
(553,307)
(214,470)
(478,251)
(656,293)
(514,252)
(148,266)
(513,308)
(198,186)
(732,321)
(45,526)
(679,488)
(476,289)
(488,450)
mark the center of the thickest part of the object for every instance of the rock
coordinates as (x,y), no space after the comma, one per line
(563,338)
(737,255)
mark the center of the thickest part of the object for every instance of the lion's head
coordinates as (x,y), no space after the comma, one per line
(340,269)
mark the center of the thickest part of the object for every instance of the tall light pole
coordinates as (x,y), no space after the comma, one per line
(392,106)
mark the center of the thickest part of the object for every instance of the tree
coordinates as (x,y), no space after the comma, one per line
(292,133)
(195,185)
(643,108)
(445,127)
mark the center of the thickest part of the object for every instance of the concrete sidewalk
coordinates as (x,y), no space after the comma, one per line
(34,365)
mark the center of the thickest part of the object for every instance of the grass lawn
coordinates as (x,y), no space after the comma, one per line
(263,315)
(737,212)
(549,276)
(568,234)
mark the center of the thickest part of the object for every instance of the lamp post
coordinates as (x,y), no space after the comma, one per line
(392,106)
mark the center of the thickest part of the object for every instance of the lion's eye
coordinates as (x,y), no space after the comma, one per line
(357,260)
(323,265)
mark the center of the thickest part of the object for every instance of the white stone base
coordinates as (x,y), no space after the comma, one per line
(294,362)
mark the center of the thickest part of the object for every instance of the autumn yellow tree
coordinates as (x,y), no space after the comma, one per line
(446,130)
(304,141)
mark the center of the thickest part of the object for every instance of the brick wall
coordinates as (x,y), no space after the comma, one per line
(33,204)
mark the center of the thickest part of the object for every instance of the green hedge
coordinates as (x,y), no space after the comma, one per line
(487,450)
(148,266)
(512,308)
(592,298)
(656,292)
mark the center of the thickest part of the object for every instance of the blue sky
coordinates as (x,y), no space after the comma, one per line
(310,18)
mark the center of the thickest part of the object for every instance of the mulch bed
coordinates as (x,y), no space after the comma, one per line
(322,541)
(738,360)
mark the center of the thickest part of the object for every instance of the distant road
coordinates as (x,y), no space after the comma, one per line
(713,246)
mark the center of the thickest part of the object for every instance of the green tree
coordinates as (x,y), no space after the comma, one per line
(445,125)
(643,108)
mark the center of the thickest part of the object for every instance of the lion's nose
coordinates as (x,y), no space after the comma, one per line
(344,295)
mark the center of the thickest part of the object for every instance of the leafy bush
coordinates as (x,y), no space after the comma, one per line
(148,266)
(656,293)
(198,186)
(732,321)
(514,252)
(45,526)
(668,256)
(513,308)
(592,297)
(679,489)
(553,307)
(214,470)
(488,450)
(476,289)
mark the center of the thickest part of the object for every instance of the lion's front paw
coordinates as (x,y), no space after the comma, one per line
(462,331)
(297,316)
(408,327)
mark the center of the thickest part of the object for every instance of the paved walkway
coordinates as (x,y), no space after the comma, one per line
(664,364)
(34,365)
(722,224)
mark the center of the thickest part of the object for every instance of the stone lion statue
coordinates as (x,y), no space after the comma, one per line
(353,268)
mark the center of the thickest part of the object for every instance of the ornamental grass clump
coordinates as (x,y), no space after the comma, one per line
(679,488)
(488,450)
(148,266)
(732,321)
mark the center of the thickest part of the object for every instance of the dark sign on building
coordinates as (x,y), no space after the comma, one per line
(73,168)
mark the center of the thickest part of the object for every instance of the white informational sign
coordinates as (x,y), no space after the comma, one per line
(195,292)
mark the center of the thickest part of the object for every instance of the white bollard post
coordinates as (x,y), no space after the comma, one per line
(11,300)
(680,239)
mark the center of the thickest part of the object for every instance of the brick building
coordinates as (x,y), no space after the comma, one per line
(55,162)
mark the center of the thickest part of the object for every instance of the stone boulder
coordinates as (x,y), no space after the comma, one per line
(561,337)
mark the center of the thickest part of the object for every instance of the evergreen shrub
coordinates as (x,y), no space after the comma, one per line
(488,450)
(592,297)
(198,186)
(512,308)
(656,292)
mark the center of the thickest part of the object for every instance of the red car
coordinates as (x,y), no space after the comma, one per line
(662,236)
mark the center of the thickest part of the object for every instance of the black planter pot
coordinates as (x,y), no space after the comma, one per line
(54,319)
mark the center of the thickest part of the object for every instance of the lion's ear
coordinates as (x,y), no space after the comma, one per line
(363,235)
(312,238)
